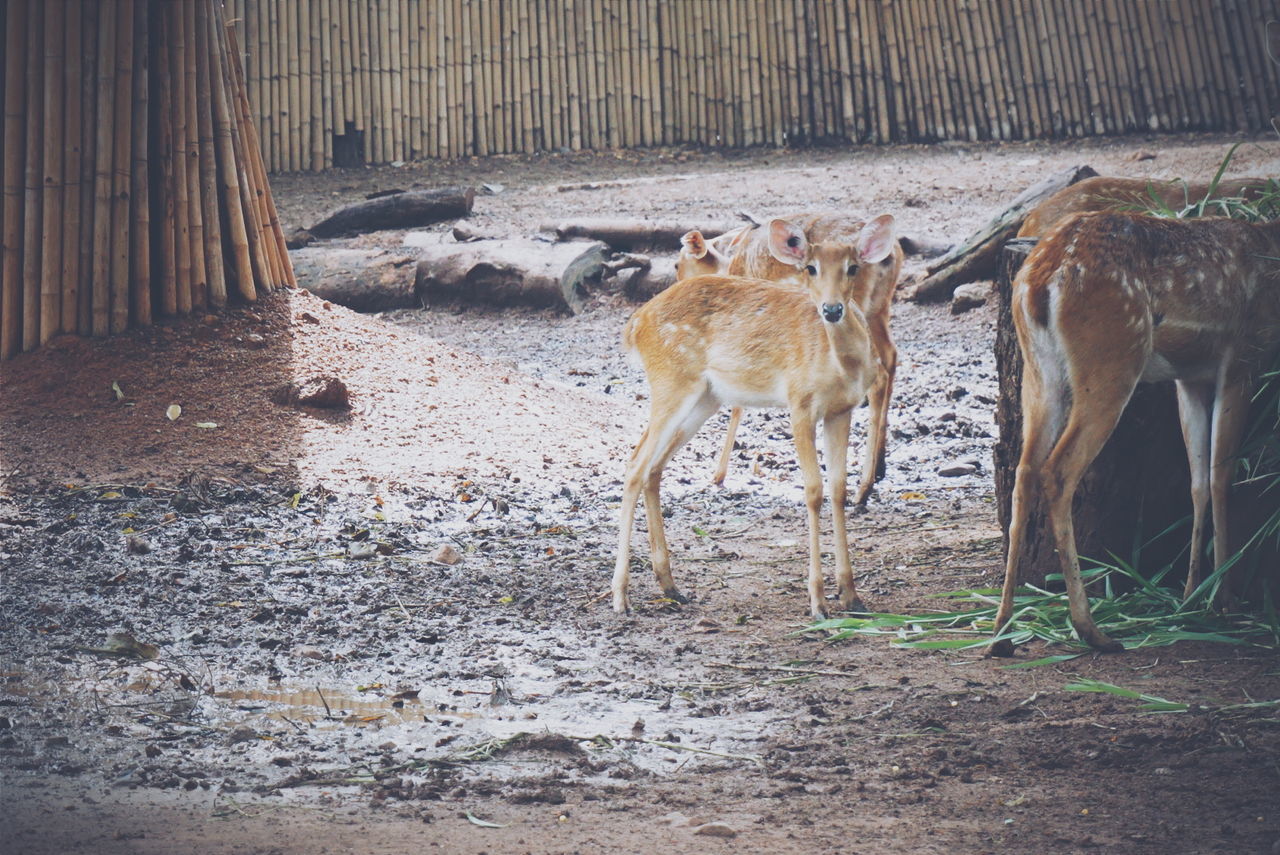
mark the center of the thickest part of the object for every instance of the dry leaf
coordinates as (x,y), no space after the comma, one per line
(173,412)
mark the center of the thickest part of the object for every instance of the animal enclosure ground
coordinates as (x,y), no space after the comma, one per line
(326,680)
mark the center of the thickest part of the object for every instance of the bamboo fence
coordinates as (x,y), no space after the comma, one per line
(345,82)
(132,181)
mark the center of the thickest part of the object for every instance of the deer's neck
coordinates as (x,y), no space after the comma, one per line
(848,342)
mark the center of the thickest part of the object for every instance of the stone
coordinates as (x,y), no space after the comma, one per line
(446,554)
(716,829)
(956,470)
(971,295)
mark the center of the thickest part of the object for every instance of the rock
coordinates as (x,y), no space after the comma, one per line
(136,545)
(675,819)
(446,554)
(362,549)
(955,470)
(970,296)
(312,653)
(241,733)
(323,391)
(716,829)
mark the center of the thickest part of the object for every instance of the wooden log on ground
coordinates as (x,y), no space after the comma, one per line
(367,280)
(517,271)
(978,256)
(401,211)
(634,235)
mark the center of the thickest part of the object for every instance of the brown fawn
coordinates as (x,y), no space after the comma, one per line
(713,340)
(745,252)
(1108,300)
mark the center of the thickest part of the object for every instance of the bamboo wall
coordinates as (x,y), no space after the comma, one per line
(132,184)
(448,78)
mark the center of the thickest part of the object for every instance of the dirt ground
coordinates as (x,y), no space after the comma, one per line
(387,628)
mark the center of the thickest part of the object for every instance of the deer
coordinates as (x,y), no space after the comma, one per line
(746,252)
(1108,300)
(714,340)
(1109,193)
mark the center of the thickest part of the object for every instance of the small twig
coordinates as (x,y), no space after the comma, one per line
(402,607)
(301,559)
(295,725)
(786,669)
(328,712)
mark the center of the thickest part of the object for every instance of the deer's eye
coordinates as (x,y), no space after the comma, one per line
(811,270)
(853,270)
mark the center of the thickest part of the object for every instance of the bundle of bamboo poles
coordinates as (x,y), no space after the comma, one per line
(133,180)
(413,79)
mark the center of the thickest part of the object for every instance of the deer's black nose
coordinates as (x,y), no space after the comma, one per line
(833,312)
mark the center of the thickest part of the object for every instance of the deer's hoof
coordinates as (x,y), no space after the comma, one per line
(676,597)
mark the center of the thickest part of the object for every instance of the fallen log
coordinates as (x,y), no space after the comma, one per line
(398,211)
(517,271)
(367,280)
(632,235)
(978,256)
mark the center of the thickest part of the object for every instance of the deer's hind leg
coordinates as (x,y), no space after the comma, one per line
(674,420)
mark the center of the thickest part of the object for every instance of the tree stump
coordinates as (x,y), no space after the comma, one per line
(1137,488)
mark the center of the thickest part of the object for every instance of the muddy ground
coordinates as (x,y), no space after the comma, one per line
(325,680)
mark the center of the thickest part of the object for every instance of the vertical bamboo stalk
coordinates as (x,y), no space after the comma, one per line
(412,66)
(274,234)
(302,47)
(51,182)
(178,152)
(227,171)
(167,197)
(395,73)
(344,106)
(329,121)
(140,188)
(122,148)
(321,97)
(31,256)
(261,274)
(73,151)
(191,161)
(104,164)
(215,270)
(298,128)
(15,101)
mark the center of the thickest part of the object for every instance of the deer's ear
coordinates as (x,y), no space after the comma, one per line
(694,244)
(876,239)
(787,242)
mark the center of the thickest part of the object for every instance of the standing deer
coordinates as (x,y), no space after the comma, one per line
(713,340)
(1109,193)
(746,252)
(1108,300)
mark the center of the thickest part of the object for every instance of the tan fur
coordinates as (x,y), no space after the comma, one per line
(1110,193)
(873,286)
(1107,300)
(713,340)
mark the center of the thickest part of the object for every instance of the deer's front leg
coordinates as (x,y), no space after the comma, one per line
(802,426)
(835,435)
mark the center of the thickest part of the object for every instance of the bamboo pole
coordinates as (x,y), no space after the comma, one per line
(215,270)
(15,103)
(73,110)
(301,37)
(239,165)
(321,124)
(104,164)
(274,233)
(31,256)
(227,170)
(122,155)
(191,161)
(140,188)
(178,153)
(51,184)
(167,233)
(297,109)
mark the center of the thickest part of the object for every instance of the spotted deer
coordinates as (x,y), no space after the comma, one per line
(747,253)
(1109,193)
(714,340)
(1108,300)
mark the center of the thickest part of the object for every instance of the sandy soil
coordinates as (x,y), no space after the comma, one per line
(325,681)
